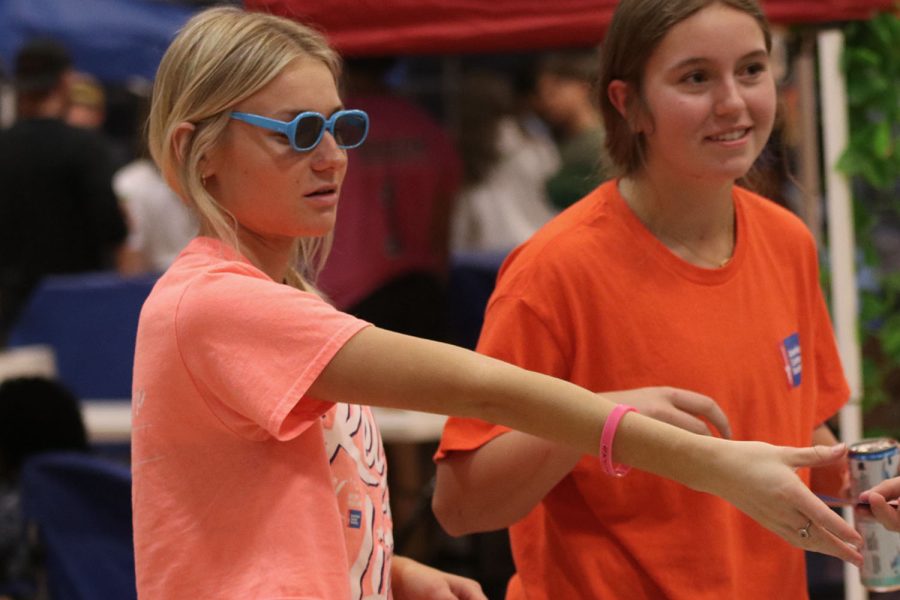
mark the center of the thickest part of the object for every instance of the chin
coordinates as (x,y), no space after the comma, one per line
(316,231)
(731,172)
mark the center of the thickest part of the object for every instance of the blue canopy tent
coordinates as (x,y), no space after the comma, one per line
(114,40)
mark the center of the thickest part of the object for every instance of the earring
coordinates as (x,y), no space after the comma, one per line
(203,180)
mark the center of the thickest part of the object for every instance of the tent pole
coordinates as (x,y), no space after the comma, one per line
(808,142)
(842,251)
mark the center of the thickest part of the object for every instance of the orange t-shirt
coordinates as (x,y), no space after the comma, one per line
(244,486)
(596,299)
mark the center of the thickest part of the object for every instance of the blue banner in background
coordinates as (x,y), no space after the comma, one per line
(117,41)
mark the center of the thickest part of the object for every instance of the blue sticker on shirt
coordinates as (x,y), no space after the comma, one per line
(793,359)
(355,519)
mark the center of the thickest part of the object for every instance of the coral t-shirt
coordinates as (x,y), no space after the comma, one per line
(245,486)
(596,299)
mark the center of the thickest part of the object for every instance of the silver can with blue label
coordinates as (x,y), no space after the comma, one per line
(871,462)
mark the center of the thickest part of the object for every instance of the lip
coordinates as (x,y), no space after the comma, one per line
(324,196)
(744,131)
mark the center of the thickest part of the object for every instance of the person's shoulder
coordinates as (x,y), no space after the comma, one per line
(775,226)
(560,244)
(207,277)
(770,214)
(205,260)
(86,146)
(38,129)
(204,255)
(85,135)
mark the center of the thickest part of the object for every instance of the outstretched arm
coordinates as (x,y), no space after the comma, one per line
(487,488)
(383,368)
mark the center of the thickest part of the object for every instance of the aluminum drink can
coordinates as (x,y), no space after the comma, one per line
(871,462)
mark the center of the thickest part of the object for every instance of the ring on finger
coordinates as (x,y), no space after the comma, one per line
(804,531)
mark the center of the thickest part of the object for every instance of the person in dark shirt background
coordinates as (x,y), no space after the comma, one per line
(58,212)
(389,261)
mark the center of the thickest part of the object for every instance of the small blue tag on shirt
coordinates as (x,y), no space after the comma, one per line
(793,359)
(355,519)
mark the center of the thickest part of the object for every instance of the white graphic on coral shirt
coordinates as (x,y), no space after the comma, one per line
(359,473)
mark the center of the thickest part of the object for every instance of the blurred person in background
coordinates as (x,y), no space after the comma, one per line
(58,212)
(388,264)
(87,102)
(88,109)
(37,414)
(565,98)
(503,200)
(160,224)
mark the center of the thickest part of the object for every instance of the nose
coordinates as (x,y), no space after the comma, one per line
(729,98)
(327,155)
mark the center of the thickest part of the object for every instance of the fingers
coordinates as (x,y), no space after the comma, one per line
(464,588)
(815,456)
(886,514)
(703,406)
(684,421)
(889,489)
(823,541)
(829,533)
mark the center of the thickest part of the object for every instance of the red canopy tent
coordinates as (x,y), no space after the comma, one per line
(367,27)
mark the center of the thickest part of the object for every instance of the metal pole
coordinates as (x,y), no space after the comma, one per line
(842,250)
(808,144)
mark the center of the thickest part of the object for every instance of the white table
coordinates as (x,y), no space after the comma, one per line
(109,421)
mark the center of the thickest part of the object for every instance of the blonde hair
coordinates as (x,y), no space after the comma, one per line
(222,56)
(87,91)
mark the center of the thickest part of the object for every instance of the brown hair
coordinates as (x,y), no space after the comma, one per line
(637,28)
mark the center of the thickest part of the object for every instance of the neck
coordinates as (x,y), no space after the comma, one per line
(697,223)
(274,257)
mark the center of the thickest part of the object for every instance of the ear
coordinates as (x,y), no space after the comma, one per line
(619,94)
(181,139)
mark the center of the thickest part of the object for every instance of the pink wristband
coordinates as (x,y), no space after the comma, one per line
(606,440)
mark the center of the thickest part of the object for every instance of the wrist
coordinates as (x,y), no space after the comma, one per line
(703,462)
(607,437)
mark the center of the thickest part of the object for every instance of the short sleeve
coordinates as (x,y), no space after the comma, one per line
(513,332)
(254,347)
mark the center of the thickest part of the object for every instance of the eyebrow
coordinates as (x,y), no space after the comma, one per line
(289,114)
(695,61)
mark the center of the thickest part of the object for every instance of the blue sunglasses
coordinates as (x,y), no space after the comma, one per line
(348,127)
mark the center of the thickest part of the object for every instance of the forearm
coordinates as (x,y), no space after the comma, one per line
(498,484)
(382,368)
(822,435)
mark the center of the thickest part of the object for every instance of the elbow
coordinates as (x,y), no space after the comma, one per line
(448,512)
(452,506)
